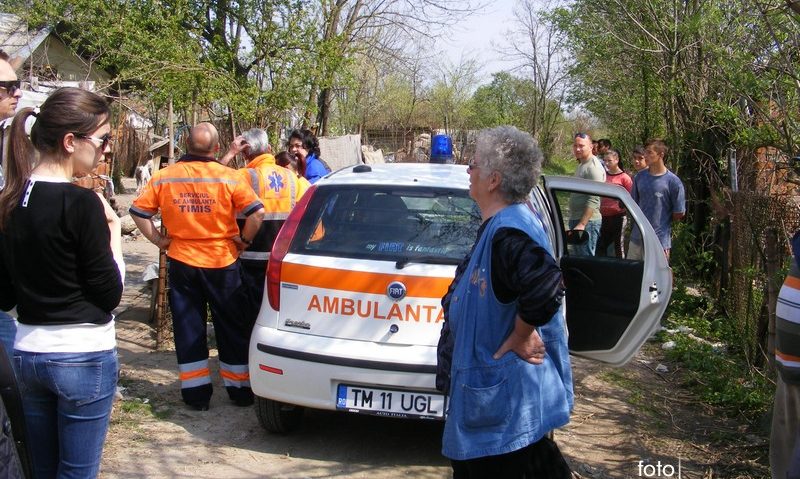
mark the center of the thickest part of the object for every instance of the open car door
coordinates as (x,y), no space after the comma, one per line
(613,304)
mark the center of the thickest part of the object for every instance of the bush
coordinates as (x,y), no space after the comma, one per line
(716,367)
(560,167)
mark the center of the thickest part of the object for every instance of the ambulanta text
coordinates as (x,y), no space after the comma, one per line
(425,313)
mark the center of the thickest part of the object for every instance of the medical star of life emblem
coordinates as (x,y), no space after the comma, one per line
(275,182)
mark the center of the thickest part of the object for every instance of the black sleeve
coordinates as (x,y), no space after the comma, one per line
(524,271)
(98,271)
(8,295)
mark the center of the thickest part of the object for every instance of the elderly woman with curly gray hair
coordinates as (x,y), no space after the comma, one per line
(503,356)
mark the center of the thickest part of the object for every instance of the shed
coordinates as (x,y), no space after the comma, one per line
(161,148)
(45,61)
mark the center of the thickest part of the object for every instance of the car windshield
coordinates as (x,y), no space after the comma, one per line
(424,225)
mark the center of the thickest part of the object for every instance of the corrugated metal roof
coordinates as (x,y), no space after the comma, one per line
(16,39)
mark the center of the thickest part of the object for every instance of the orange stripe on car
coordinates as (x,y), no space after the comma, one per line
(362,282)
(197,373)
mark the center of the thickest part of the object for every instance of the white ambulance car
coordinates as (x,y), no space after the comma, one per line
(352,309)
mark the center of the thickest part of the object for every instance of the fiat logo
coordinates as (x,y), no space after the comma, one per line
(396,290)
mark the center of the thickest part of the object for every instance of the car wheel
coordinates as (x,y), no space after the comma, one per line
(278,417)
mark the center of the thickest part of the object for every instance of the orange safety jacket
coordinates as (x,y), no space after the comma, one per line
(279,190)
(198,198)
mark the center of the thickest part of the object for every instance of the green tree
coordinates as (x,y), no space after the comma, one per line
(504,101)
(242,59)
(649,67)
(450,95)
(709,75)
(513,100)
(384,29)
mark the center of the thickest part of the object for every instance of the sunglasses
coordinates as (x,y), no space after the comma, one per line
(582,136)
(11,86)
(104,140)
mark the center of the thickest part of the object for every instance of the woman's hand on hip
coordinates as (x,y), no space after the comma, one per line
(525,342)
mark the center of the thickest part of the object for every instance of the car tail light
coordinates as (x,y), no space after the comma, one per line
(281,247)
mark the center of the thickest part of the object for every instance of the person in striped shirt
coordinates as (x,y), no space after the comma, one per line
(784,449)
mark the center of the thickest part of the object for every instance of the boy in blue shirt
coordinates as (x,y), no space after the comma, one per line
(661,197)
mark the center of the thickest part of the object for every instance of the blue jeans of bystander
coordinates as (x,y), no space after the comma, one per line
(68,399)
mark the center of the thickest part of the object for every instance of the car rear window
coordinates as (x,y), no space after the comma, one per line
(387,223)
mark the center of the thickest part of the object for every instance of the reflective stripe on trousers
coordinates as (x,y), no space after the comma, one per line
(194,374)
(234,375)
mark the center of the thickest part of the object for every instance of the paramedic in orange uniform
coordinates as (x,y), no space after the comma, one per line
(198,199)
(279,190)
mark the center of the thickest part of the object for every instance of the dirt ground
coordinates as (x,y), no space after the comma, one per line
(621,417)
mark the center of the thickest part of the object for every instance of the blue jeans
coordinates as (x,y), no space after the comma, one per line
(67,399)
(8,330)
(587,248)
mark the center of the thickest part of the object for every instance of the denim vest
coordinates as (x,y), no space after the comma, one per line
(500,406)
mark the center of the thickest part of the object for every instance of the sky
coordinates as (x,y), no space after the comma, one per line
(474,37)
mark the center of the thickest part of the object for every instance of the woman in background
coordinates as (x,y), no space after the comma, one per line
(305,145)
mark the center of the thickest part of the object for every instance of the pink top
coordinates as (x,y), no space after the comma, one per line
(611,206)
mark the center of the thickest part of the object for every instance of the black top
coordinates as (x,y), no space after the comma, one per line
(56,264)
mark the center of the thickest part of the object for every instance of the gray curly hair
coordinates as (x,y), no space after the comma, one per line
(258,141)
(515,155)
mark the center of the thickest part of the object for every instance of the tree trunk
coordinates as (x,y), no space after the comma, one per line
(324,111)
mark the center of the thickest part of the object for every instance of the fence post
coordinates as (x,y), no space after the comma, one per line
(724,239)
(163,323)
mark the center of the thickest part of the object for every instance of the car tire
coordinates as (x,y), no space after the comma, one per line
(278,417)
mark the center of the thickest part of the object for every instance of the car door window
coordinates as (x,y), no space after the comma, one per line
(608,235)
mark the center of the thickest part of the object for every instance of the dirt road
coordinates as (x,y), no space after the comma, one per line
(621,417)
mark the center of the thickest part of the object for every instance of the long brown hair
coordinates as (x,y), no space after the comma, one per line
(285,159)
(67,110)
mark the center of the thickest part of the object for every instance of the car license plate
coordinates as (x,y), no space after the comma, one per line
(391,403)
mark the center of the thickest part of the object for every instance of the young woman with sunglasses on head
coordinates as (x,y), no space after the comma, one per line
(61,266)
